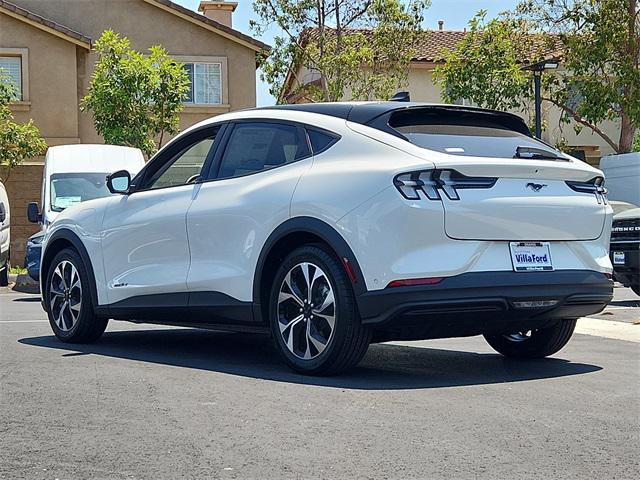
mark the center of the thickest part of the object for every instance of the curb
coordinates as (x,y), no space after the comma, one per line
(22,282)
(608,329)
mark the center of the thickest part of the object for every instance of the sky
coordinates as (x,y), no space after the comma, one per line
(455,13)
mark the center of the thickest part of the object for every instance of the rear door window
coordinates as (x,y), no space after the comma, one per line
(257,146)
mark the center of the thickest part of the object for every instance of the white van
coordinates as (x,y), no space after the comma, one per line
(5,236)
(76,173)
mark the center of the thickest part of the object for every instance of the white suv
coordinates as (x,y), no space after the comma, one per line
(331,226)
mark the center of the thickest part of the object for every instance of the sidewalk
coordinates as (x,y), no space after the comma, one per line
(613,329)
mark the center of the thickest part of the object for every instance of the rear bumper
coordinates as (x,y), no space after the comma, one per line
(484,302)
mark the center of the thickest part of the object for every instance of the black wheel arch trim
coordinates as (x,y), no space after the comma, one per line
(313,226)
(73,239)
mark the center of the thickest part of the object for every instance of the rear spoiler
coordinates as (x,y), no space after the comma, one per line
(445,114)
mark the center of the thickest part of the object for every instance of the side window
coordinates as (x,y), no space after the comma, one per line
(184,167)
(258,146)
(320,141)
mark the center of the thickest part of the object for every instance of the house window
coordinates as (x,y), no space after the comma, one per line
(205,83)
(11,72)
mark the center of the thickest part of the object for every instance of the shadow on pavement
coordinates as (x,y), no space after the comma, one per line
(27,299)
(384,367)
(625,303)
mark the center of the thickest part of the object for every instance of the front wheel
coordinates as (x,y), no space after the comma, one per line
(533,343)
(68,300)
(313,316)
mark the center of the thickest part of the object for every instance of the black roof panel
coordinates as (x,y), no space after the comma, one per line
(366,112)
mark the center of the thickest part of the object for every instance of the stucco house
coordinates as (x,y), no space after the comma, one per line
(45,47)
(422,88)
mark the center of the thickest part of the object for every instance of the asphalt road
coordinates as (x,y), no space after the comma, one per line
(165,403)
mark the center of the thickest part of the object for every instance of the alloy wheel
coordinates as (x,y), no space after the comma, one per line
(65,295)
(519,336)
(306,310)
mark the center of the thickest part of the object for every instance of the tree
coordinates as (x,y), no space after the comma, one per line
(135,98)
(598,42)
(486,66)
(17,141)
(357,47)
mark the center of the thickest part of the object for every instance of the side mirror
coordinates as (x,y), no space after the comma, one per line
(119,182)
(33,212)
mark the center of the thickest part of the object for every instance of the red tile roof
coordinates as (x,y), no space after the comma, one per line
(431,43)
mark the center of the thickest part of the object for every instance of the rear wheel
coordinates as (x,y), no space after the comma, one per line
(313,316)
(68,300)
(533,343)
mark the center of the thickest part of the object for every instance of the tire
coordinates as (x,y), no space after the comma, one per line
(636,288)
(538,344)
(302,334)
(68,300)
(4,274)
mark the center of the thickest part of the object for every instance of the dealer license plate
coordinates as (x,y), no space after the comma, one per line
(618,258)
(531,256)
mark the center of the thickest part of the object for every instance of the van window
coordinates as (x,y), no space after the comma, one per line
(70,188)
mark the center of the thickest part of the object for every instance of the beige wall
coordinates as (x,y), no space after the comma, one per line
(52,86)
(146,25)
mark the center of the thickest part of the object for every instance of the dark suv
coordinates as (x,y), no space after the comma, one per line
(625,248)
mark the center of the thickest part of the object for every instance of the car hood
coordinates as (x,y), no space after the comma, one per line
(82,218)
(628,214)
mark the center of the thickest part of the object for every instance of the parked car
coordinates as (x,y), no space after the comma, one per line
(331,226)
(33,253)
(74,174)
(5,236)
(625,246)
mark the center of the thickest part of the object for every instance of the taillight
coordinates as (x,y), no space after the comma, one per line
(432,182)
(595,186)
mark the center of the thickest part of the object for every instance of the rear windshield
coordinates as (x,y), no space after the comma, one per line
(467,136)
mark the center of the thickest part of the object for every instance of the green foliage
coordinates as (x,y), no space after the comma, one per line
(135,98)
(599,46)
(17,270)
(359,49)
(17,141)
(485,66)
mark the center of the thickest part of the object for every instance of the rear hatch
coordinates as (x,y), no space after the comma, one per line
(498,183)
